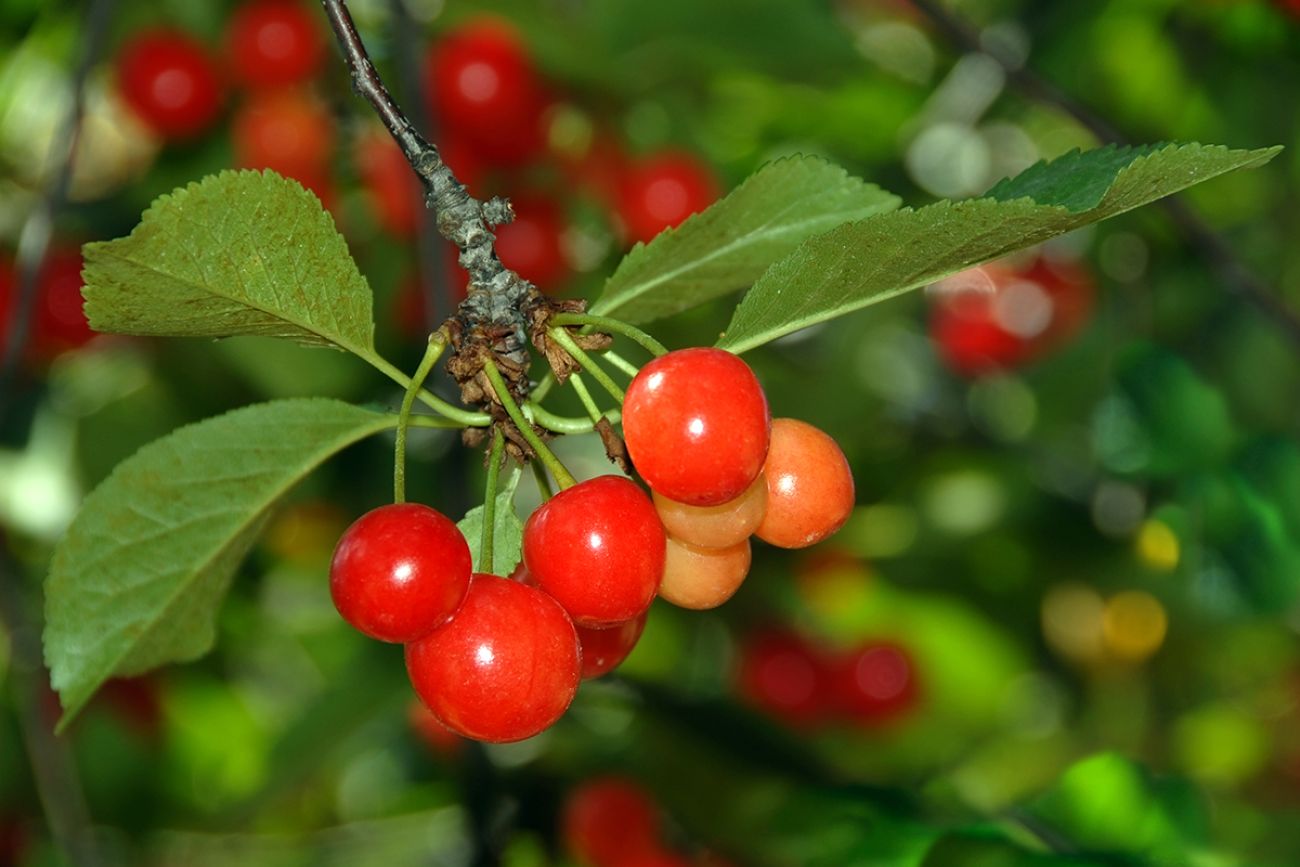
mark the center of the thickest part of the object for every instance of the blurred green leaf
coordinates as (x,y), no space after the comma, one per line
(136,580)
(236,253)
(507,534)
(727,247)
(858,264)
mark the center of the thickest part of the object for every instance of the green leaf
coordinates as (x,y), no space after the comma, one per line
(728,246)
(136,580)
(508,532)
(236,253)
(861,263)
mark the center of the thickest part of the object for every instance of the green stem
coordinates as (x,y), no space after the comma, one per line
(562,476)
(585,396)
(431,355)
(543,388)
(560,336)
(618,361)
(543,483)
(616,326)
(465,417)
(567,424)
(485,563)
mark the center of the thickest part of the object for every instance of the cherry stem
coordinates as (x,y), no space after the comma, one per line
(437,343)
(565,424)
(615,326)
(543,483)
(463,417)
(560,336)
(497,452)
(585,396)
(563,477)
(618,361)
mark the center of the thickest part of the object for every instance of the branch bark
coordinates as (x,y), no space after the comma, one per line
(494,316)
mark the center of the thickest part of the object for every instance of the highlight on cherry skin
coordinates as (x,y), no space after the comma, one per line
(400,571)
(697,425)
(504,668)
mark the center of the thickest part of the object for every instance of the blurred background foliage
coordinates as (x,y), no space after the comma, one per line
(1078,539)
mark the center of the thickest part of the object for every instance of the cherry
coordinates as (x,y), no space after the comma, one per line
(483,85)
(1001,315)
(662,191)
(598,548)
(272,43)
(702,578)
(809,486)
(287,131)
(400,571)
(60,320)
(170,82)
(875,683)
(504,668)
(531,245)
(719,526)
(603,649)
(785,676)
(697,426)
(607,819)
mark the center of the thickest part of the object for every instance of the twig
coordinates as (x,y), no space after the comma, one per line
(1237,277)
(55,773)
(499,299)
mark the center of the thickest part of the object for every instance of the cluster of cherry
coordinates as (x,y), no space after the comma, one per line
(500,659)
(804,684)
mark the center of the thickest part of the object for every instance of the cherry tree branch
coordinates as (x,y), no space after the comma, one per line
(498,297)
(1237,277)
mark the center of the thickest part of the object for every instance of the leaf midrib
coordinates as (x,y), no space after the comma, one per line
(747,239)
(346,344)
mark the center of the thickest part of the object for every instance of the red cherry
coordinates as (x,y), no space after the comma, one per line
(171,83)
(598,548)
(603,649)
(660,192)
(272,43)
(697,426)
(483,85)
(531,245)
(287,131)
(400,571)
(60,321)
(504,668)
(809,486)
(784,675)
(875,683)
(607,819)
